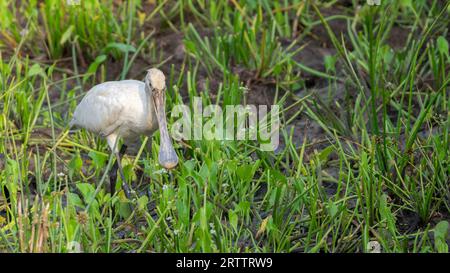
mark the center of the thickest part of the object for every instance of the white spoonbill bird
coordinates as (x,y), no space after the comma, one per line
(127,109)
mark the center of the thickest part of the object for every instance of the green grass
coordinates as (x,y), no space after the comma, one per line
(378,170)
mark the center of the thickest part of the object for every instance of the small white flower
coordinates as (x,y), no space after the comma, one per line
(24,32)
(224,185)
(161,171)
(73,2)
(61,174)
(374,247)
(374,2)
(169,218)
(165,187)
(213,232)
(74,247)
(244,89)
(176,231)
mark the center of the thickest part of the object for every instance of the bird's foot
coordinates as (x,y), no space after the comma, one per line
(128,192)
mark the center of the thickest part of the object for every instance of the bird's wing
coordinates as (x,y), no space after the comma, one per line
(100,110)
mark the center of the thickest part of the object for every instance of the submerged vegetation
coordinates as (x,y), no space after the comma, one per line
(364,146)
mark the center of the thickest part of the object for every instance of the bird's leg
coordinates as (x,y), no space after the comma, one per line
(113,172)
(122,176)
(126,189)
(7,195)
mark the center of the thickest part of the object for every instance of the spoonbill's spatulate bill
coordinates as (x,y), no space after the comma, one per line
(128,109)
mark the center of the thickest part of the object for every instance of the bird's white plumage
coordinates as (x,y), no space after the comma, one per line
(128,109)
(117,109)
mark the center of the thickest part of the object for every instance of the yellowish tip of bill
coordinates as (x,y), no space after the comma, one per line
(170,165)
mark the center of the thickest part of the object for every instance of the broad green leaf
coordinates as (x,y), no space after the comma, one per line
(75,200)
(119,46)
(36,69)
(233,218)
(406,3)
(142,202)
(440,236)
(98,159)
(86,190)
(124,210)
(332,209)
(94,66)
(244,172)
(330,62)
(190,47)
(325,153)
(75,165)
(442,45)
(66,35)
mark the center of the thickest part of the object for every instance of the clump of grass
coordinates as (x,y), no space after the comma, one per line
(93,25)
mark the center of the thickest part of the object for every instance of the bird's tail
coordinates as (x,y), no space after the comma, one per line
(73,126)
(71,123)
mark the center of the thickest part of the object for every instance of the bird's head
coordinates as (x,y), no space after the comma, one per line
(155,82)
(156,79)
